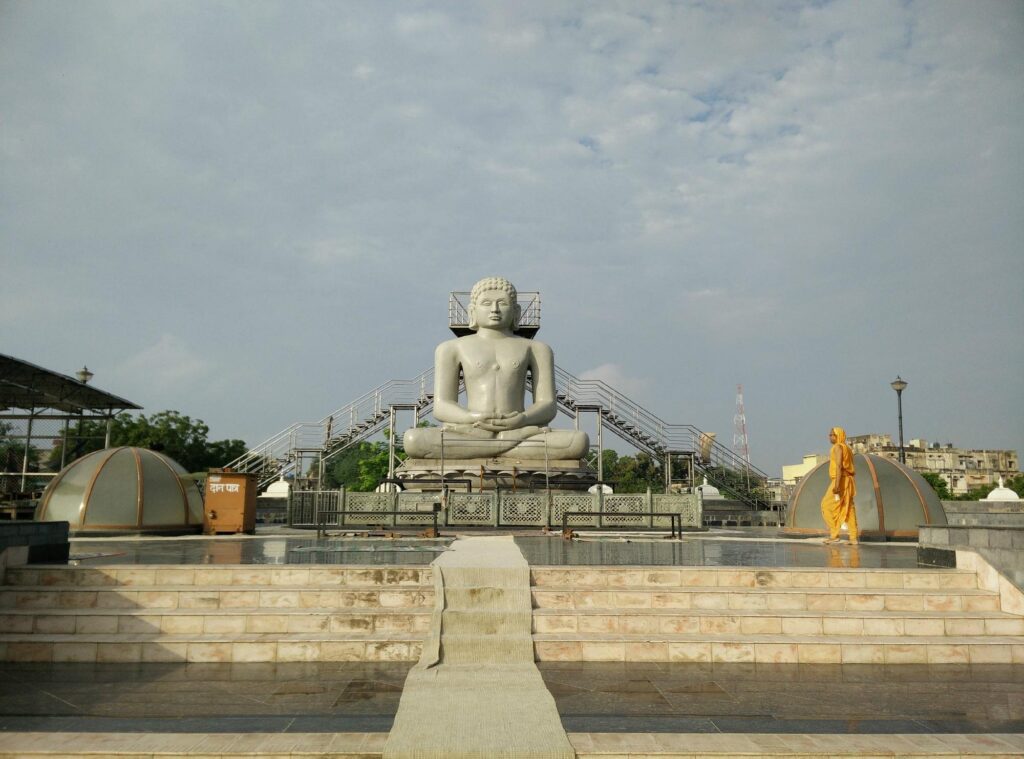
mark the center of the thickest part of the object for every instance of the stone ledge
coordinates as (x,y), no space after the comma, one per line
(587,745)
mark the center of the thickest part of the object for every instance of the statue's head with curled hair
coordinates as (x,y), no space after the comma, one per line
(494,283)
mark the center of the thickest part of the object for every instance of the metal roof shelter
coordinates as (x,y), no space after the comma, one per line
(32,401)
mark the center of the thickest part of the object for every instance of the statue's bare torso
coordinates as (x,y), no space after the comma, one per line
(495,371)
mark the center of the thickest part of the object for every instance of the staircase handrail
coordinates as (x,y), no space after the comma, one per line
(667,437)
(365,415)
(341,425)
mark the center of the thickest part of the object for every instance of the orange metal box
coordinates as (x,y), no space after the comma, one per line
(230,504)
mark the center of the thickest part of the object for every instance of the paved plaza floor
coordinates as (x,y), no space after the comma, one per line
(594,697)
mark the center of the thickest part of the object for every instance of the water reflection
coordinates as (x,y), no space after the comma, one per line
(712,552)
(278,550)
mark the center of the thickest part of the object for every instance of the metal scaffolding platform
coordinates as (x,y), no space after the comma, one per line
(306,447)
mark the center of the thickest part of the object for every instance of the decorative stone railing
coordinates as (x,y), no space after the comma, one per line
(339,508)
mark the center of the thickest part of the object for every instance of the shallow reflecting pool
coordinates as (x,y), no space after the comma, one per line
(257,550)
(714,550)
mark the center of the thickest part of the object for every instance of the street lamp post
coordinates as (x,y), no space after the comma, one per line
(899,385)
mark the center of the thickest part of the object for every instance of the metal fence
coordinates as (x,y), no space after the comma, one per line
(339,509)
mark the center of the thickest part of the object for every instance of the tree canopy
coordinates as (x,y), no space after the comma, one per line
(179,436)
(359,468)
(938,485)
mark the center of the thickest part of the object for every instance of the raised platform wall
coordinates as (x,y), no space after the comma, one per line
(984,513)
(46,541)
(1001,547)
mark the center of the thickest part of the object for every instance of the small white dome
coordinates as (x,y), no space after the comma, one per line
(708,491)
(279,489)
(1001,493)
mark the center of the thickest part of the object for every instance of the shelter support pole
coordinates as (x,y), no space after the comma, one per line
(28,447)
(64,444)
(391,444)
(106,438)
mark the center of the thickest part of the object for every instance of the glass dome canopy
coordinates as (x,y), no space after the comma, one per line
(892,500)
(123,490)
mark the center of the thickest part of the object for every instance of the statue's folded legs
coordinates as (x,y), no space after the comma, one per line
(532,443)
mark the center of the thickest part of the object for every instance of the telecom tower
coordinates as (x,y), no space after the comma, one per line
(740,444)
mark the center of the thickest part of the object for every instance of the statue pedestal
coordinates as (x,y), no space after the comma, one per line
(501,472)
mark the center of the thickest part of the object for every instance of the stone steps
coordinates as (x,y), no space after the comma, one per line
(616,578)
(191,621)
(791,622)
(209,648)
(267,613)
(213,597)
(781,649)
(226,574)
(766,599)
(214,614)
(779,615)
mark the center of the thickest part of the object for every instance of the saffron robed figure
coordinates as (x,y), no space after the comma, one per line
(837,504)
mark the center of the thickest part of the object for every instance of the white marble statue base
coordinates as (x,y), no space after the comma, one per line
(504,472)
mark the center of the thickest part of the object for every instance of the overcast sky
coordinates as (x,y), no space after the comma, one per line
(253,212)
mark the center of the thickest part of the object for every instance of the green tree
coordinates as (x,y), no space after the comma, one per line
(12,457)
(1016,484)
(938,485)
(631,474)
(358,468)
(170,432)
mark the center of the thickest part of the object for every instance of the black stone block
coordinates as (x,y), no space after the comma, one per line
(936,557)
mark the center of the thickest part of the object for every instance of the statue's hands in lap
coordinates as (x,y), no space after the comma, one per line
(511,420)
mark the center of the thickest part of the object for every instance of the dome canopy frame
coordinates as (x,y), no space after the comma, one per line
(121,481)
(892,500)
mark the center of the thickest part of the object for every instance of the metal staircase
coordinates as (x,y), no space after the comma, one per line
(726,470)
(289,451)
(293,449)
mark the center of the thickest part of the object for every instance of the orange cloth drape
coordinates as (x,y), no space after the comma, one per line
(837,510)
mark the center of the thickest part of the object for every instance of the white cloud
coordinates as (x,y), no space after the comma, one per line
(618,379)
(167,366)
(714,177)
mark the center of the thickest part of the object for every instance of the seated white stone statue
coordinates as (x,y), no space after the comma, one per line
(494,362)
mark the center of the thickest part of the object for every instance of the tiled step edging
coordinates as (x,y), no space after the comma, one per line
(226,574)
(649,578)
(234,648)
(780,649)
(586,745)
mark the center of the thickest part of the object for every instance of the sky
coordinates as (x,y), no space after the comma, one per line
(253,212)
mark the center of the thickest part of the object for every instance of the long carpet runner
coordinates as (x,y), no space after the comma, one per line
(475,691)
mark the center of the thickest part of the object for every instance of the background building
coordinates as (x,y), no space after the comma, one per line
(961,468)
(792,473)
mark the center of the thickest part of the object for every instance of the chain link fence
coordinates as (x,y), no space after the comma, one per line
(34,450)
